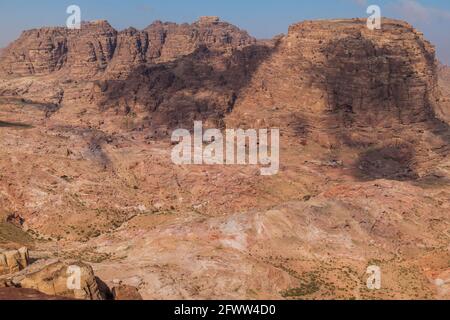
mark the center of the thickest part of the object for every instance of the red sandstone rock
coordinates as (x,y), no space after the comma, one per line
(96,46)
(124,292)
(26,294)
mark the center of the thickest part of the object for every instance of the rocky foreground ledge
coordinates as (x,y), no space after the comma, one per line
(25,278)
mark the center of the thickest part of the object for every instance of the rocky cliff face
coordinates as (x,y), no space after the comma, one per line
(444,84)
(165,42)
(333,82)
(340,74)
(97,47)
(341,85)
(330,81)
(81,52)
(202,85)
(335,73)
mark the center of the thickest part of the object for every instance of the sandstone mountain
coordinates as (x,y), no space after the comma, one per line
(97,48)
(85,118)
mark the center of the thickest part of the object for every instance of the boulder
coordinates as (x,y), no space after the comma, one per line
(67,279)
(13,261)
(125,292)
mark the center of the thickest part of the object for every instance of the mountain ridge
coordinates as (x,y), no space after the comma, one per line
(364,159)
(46,50)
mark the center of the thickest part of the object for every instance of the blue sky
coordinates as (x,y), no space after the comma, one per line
(262,18)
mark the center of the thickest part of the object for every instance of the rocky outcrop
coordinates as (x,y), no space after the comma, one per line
(130,52)
(177,41)
(55,279)
(90,49)
(202,85)
(341,85)
(337,71)
(70,279)
(124,292)
(339,74)
(164,42)
(97,47)
(335,83)
(81,53)
(35,52)
(13,261)
(327,81)
(324,80)
(444,84)
(323,77)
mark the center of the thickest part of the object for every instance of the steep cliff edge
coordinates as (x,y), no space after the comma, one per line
(164,42)
(344,86)
(332,82)
(338,73)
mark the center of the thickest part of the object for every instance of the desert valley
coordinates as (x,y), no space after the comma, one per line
(86,176)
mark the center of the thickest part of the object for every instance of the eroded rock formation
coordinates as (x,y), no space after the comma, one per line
(97,47)
(81,52)
(330,74)
(124,292)
(338,74)
(54,280)
(13,261)
(71,279)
